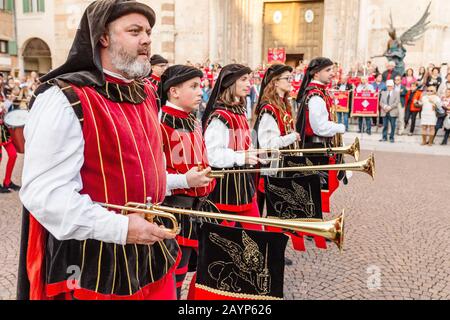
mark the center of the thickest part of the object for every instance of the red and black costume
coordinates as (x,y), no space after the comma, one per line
(153,79)
(235,193)
(309,90)
(282,116)
(184,149)
(6,142)
(123,163)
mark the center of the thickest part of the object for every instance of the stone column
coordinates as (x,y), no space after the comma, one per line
(213,42)
(363,31)
(168,34)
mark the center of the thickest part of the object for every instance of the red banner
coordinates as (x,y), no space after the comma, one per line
(342,100)
(365,104)
(276,55)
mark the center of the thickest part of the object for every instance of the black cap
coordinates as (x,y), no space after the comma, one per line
(227,77)
(157,59)
(274,71)
(125,7)
(316,65)
(174,76)
(83,66)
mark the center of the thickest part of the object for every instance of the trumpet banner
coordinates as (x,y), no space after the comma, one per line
(328,179)
(297,197)
(238,264)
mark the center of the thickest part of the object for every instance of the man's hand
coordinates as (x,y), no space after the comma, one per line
(297,135)
(142,232)
(197,178)
(251,158)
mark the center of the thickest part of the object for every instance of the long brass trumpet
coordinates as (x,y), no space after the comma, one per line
(354,150)
(366,166)
(332,230)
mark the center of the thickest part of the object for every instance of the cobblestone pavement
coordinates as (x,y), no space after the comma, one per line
(397,236)
(10,218)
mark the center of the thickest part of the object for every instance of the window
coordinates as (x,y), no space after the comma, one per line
(33,6)
(12,48)
(6,5)
(3,46)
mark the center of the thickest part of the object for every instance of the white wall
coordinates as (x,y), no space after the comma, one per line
(34,25)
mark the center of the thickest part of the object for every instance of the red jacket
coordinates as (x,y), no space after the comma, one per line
(411,99)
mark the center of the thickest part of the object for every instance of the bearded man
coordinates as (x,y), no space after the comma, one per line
(93,137)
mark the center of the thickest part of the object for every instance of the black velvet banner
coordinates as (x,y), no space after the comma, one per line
(240,264)
(294,198)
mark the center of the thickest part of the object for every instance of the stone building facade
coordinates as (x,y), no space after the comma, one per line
(8,58)
(242,30)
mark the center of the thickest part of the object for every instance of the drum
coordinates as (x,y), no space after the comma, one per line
(15,121)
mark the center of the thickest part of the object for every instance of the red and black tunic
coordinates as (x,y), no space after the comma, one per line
(285,124)
(236,192)
(316,90)
(319,90)
(124,163)
(283,118)
(184,148)
(154,81)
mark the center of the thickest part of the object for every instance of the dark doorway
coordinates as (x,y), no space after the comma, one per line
(293,60)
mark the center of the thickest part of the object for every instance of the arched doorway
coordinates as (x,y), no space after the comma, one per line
(37,56)
(296,26)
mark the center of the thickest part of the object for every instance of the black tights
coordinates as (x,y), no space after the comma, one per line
(447,135)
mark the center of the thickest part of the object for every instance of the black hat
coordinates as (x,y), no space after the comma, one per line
(157,59)
(130,6)
(227,77)
(83,66)
(274,71)
(316,65)
(176,75)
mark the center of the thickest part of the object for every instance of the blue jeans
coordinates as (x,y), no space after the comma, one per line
(368,124)
(393,121)
(344,121)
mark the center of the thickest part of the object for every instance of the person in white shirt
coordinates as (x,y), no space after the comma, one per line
(314,122)
(274,123)
(229,143)
(185,151)
(430,103)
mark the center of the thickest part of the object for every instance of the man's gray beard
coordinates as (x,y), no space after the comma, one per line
(126,64)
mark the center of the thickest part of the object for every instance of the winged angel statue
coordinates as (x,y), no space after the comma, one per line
(395,49)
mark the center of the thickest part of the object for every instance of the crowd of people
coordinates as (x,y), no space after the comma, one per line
(14,94)
(402,99)
(423,94)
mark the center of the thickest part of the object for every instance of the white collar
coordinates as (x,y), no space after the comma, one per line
(171,105)
(116,75)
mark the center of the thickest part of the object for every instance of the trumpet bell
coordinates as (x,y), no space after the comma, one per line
(370,166)
(332,230)
(356,150)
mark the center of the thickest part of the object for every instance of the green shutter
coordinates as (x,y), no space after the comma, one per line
(26,6)
(9,5)
(12,48)
(41,6)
